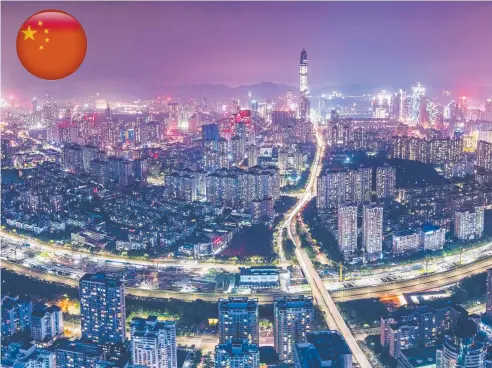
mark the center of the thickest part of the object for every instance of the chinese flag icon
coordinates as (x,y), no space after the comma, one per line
(51,44)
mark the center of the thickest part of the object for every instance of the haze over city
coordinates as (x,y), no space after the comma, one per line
(240,185)
(137,51)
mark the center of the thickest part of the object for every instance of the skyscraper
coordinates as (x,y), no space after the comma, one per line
(372,230)
(303,87)
(237,353)
(153,342)
(238,318)
(102,309)
(347,229)
(293,318)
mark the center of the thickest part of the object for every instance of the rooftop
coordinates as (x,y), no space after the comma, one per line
(329,344)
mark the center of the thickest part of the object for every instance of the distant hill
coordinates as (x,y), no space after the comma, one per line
(267,90)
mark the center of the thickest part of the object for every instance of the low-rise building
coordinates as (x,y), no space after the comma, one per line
(323,349)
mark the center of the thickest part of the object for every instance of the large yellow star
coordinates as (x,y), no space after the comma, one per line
(29,33)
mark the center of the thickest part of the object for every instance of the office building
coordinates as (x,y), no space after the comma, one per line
(304,104)
(153,342)
(293,319)
(466,348)
(323,349)
(372,230)
(238,318)
(102,309)
(347,229)
(237,353)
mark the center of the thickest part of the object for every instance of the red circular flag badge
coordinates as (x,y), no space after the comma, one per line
(51,44)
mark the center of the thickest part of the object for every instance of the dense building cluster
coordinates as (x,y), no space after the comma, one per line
(444,334)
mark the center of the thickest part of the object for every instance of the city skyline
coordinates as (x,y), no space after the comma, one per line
(250,43)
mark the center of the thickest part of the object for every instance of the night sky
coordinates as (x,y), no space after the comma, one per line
(140,48)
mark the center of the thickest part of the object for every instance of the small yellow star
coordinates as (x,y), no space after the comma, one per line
(41,47)
(40,23)
(47,40)
(29,33)
(46,31)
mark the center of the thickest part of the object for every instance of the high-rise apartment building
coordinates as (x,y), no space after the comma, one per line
(72,157)
(153,342)
(77,354)
(484,155)
(16,315)
(372,230)
(46,323)
(238,318)
(488,294)
(469,223)
(347,229)
(385,181)
(237,353)
(336,187)
(102,309)
(293,319)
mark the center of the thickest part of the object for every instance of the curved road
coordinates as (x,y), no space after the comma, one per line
(432,281)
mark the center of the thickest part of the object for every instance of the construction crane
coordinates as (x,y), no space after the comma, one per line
(341,267)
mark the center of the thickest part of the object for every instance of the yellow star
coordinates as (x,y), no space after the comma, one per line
(41,47)
(46,31)
(47,40)
(40,23)
(29,33)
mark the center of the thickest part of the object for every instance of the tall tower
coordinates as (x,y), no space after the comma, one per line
(303,87)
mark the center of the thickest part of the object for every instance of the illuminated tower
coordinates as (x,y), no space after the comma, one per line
(303,87)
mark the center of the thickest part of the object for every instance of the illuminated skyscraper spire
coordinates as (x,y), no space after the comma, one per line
(303,72)
(303,87)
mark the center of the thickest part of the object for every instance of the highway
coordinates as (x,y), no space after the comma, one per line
(432,281)
(333,317)
(161,262)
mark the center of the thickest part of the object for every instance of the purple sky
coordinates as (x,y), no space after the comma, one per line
(139,47)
